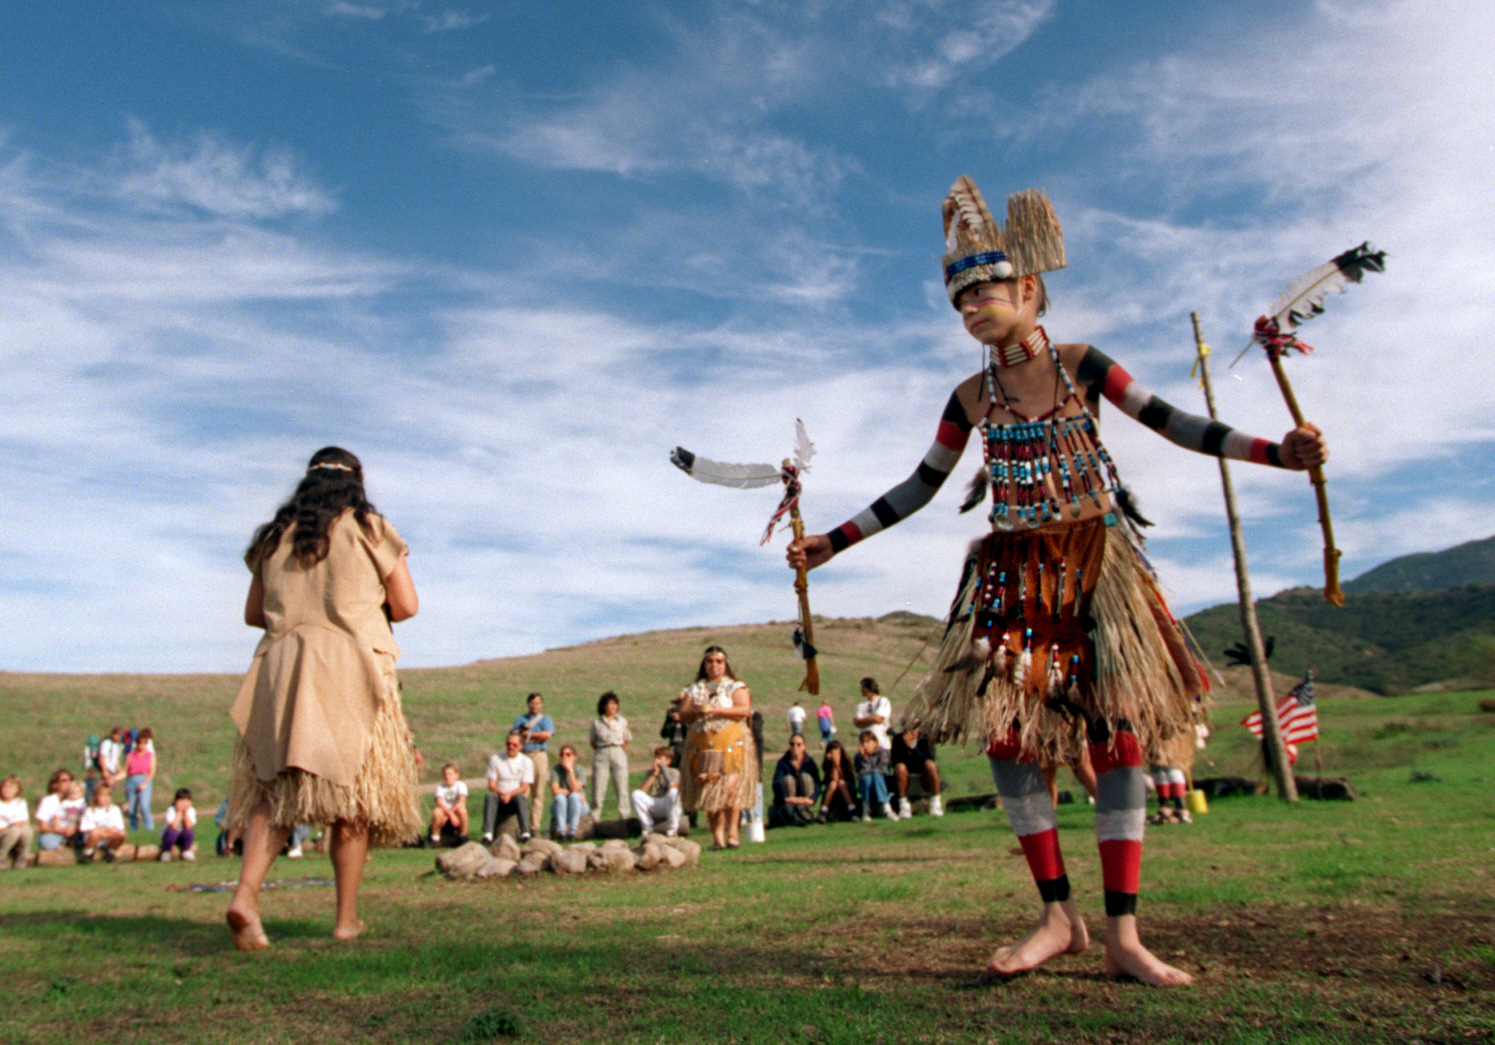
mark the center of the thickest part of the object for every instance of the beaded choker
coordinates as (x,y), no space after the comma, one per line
(1024,350)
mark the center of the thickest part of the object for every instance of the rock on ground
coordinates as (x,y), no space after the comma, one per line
(464,862)
(569,861)
(533,863)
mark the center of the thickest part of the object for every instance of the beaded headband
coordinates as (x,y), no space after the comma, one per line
(331,466)
(979,250)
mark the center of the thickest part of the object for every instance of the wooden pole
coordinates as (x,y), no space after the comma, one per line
(1332,590)
(1271,731)
(811,684)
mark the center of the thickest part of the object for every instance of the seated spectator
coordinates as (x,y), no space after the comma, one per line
(102,824)
(568,803)
(871,764)
(912,757)
(451,806)
(229,842)
(181,821)
(15,826)
(796,786)
(838,778)
(658,798)
(511,777)
(58,812)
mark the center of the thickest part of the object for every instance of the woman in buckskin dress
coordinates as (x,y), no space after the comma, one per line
(322,737)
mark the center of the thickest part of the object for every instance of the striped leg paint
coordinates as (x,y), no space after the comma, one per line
(1120,818)
(1025,796)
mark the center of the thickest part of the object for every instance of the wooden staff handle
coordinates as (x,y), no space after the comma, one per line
(811,684)
(1332,590)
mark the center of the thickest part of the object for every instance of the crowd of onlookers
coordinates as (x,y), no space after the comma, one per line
(887,769)
(878,777)
(81,813)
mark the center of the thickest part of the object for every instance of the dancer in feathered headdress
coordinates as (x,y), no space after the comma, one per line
(1058,638)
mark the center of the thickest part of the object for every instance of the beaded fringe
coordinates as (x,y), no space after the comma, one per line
(1145,674)
(382,796)
(735,788)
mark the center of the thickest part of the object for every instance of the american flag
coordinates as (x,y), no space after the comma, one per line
(1297,716)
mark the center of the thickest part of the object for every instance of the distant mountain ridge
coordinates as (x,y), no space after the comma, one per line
(1414,621)
(1472,562)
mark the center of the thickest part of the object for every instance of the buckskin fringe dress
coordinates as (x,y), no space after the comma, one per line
(322,736)
(721,761)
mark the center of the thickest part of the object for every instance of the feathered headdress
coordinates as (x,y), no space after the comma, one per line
(978,249)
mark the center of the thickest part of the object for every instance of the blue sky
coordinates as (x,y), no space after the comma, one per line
(512,253)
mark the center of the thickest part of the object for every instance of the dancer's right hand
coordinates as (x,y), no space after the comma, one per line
(809,553)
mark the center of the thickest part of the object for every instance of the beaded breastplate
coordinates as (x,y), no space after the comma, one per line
(1042,469)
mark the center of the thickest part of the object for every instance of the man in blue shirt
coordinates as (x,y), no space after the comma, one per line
(536,729)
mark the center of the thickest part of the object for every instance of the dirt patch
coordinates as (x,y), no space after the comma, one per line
(1295,973)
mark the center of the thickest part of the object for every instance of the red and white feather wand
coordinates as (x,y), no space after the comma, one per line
(747,476)
(1299,303)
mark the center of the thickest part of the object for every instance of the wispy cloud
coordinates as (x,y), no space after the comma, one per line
(214,176)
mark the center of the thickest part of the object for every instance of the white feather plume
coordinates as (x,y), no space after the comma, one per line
(741,476)
(803,448)
(1304,299)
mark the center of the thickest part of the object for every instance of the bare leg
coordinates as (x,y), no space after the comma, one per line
(1085,773)
(1125,956)
(732,818)
(1024,788)
(718,822)
(262,843)
(1060,930)
(350,850)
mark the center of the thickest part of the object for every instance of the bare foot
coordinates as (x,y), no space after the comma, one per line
(249,935)
(1060,930)
(348,932)
(1125,956)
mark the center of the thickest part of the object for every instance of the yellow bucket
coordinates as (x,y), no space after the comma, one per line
(1197,802)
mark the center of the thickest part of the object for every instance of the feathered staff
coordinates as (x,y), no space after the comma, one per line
(1296,305)
(747,476)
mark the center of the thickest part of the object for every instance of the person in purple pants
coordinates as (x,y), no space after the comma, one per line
(181,819)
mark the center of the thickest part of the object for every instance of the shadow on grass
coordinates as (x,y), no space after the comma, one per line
(136,932)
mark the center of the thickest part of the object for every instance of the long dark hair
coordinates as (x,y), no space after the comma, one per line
(825,761)
(701,671)
(333,484)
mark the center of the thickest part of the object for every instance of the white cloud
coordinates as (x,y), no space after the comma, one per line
(218,178)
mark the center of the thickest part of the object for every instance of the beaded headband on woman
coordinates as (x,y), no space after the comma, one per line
(333,466)
(978,249)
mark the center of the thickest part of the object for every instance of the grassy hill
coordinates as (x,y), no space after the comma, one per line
(1470,563)
(462,713)
(1385,642)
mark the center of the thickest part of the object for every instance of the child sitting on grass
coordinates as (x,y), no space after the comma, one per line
(181,818)
(451,806)
(15,827)
(871,764)
(102,825)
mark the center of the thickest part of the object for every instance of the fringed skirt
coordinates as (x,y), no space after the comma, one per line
(1059,633)
(382,796)
(720,768)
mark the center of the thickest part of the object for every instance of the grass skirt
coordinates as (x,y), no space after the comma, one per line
(382,797)
(1103,648)
(720,769)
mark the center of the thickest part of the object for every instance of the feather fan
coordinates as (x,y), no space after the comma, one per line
(741,476)
(1305,298)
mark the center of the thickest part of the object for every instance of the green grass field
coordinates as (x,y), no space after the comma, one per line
(1319,922)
